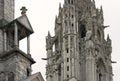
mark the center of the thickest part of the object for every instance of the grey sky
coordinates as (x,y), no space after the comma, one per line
(41,14)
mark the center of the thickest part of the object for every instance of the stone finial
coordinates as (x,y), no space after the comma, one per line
(49,34)
(108,37)
(59,6)
(23,9)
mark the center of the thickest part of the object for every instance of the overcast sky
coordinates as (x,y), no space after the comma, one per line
(41,14)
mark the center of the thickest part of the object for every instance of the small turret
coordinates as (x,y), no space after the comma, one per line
(48,41)
(49,34)
(101,13)
(59,6)
(101,10)
(108,40)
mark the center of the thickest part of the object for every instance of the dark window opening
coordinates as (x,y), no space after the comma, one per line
(28,72)
(72,24)
(67,68)
(59,70)
(100,76)
(68,1)
(67,76)
(72,16)
(71,1)
(67,50)
(67,59)
(82,31)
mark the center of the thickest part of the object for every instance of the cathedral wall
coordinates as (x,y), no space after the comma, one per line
(6,11)
(1,66)
(9,10)
(1,9)
(19,65)
(1,41)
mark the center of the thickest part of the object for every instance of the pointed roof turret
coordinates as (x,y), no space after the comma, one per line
(49,34)
(108,38)
(59,6)
(93,2)
(101,10)
(56,18)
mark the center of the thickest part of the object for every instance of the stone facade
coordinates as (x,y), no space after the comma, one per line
(7,11)
(15,65)
(80,51)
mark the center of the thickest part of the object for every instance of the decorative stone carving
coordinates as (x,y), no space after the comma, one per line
(79,39)
(88,38)
(2,76)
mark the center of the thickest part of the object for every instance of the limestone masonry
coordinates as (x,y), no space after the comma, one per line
(80,51)
(15,65)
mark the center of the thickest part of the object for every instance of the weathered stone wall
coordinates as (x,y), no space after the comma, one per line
(1,41)
(9,10)
(18,65)
(1,9)
(6,11)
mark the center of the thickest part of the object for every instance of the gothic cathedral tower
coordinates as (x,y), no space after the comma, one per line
(81,52)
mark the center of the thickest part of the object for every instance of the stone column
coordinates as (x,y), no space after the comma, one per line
(5,40)
(90,68)
(28,44)
(16,35)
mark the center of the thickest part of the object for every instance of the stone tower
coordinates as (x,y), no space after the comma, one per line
(81,52)
(15,65)
(6,11)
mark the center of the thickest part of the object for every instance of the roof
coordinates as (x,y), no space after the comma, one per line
(23,24)
(35,77)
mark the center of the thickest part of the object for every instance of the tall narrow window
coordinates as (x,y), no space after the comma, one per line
(100,76)
(67,68)
(82,31)
(72,2)
(72,16)
(28,72)
(67,59)
(72,24)
(67,50)
(67,76)
(68,1)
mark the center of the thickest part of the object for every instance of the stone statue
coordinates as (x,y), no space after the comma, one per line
(89,42)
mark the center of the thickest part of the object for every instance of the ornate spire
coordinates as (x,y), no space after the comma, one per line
(101,10)
(108,38)
(59,6)
(49,34)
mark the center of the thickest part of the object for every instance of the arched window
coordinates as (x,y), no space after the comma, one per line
(82,31)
